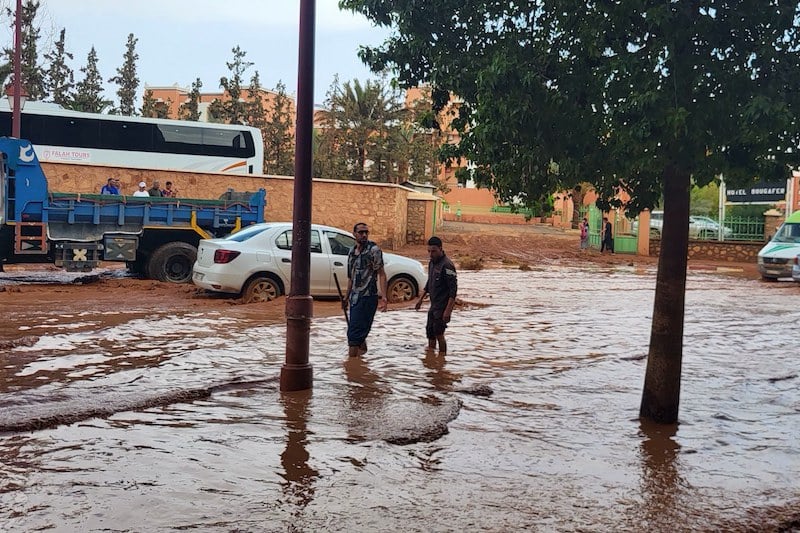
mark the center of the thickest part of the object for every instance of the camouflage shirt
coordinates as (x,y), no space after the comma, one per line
(362,269)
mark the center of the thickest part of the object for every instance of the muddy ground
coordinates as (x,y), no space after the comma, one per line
(112,291)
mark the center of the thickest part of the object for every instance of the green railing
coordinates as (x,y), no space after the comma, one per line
(519,210)
(745,229)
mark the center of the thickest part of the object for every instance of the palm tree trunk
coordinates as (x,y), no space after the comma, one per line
(662,382)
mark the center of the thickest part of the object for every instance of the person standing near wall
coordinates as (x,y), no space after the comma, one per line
(366,289)
(442,286)
(584,229)
(607,237)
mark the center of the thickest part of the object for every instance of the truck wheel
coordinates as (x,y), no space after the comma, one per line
(172,262)
(401,289)
(260,289)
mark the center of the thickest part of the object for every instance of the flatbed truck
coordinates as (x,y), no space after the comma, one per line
(156,237)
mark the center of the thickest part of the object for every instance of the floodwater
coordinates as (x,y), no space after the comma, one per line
(179,425)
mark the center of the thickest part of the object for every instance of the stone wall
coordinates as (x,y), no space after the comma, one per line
(738,252)
(415,232)
(336,202)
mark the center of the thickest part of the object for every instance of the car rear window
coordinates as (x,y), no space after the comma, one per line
(247,233)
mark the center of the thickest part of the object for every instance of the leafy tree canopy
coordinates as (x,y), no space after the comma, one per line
(554,92)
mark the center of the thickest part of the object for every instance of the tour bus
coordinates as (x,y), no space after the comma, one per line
(775,260)
(63,136)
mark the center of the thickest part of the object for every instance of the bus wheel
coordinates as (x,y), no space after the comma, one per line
(260,289)
(172,262)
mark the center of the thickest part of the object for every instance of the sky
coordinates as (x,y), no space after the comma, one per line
(181,40)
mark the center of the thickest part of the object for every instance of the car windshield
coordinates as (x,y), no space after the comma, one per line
(246,233)
(788,233)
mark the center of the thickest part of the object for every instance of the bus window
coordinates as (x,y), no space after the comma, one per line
(126,136)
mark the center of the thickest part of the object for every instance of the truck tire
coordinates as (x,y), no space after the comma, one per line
(172,262)
(260,288)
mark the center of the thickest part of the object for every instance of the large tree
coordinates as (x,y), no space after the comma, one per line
(278,136)
(126,78)
(89,91)
(361,122)
(190,110)
(59,77)
(636,96)
(33,76)
(233,109)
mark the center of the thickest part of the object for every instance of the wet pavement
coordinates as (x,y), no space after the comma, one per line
(176,423)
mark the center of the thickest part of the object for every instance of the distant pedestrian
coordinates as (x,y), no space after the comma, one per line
(584,228)
(442,286)
(366,289)
(142,191)
(155,190)
(110,187)
(607,237)
(169,191)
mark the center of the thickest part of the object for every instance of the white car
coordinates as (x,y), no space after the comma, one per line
(707,228)
(256,263)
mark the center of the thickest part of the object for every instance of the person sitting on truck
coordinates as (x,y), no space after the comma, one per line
(169,192)
(155,190)
(142,190)
(109,187)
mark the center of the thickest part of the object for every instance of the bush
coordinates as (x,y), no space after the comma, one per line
(470,263)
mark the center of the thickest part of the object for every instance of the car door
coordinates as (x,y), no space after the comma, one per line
(320,279)
(340,245)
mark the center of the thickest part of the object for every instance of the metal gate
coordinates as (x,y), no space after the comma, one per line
(624,243)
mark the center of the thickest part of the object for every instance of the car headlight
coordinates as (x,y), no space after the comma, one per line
(760,260)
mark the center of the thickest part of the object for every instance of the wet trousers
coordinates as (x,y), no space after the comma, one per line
(362,313)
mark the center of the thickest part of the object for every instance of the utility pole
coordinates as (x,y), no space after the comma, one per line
(296,373)
(16,112)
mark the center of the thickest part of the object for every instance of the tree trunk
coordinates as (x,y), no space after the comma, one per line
(662,381)
(577,204)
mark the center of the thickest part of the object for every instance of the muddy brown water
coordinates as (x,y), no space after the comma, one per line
(164,423)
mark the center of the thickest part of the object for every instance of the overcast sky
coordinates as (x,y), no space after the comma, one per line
(180,40)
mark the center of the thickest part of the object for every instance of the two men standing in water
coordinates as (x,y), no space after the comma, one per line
(367,291)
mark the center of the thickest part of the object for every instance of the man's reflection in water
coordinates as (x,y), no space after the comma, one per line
(441,378)
(299,485)
(365,395)
(661,481)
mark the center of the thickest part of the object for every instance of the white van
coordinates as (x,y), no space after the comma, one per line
(775,260)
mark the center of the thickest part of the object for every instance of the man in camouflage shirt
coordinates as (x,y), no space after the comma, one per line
(366,289)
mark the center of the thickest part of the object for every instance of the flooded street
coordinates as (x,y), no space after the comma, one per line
(163,422)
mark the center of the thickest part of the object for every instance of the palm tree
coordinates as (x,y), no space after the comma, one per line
(364,119)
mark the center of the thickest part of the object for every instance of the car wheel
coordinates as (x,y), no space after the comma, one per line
(767,278)
(401,289)
(172,262)
(260,289)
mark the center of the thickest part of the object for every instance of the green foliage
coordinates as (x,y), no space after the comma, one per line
(89,91)
(615,93)
(33,75)
(191,110)
(59,78)
(127,79)
(704,200)
(278,136)
(152,108)
(232,110)
(360,132)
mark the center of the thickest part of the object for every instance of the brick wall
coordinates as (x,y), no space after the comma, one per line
(336,203)
(739,252)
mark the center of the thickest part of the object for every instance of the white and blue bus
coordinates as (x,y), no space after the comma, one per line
(63,136)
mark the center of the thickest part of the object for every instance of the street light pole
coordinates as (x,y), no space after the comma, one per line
(16,112)
(296,373)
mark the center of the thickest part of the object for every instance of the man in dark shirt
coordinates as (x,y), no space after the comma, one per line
(442,286)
